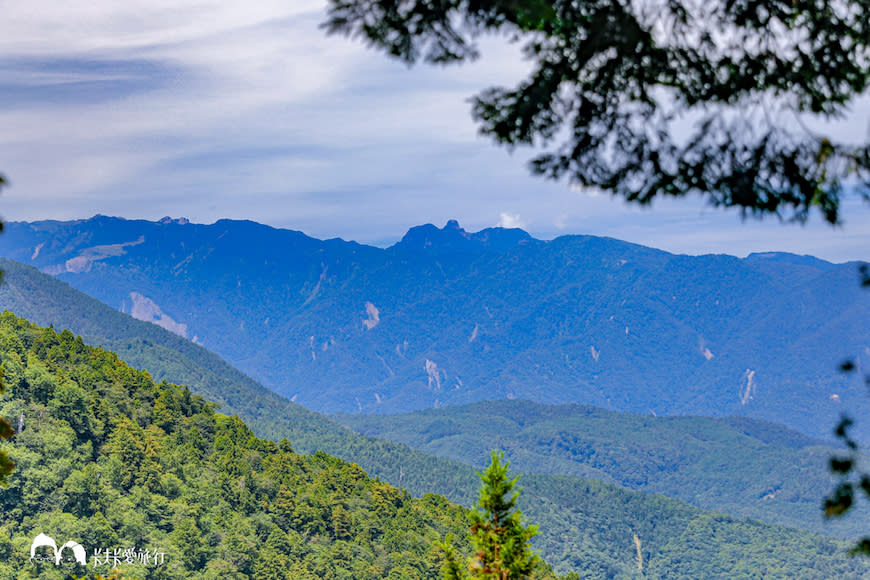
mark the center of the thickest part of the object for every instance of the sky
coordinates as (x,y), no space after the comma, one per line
(211,109)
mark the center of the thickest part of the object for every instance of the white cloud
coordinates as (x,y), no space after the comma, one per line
(509,220)
(101,27)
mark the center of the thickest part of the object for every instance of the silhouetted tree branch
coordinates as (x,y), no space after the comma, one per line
(659,97)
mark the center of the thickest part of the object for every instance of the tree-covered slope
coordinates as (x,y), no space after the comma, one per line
(48,301)
(110,459)
(736,465)
(451,317)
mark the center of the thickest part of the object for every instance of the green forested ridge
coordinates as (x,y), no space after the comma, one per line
(736,465)
(676,540)
(674,457)
(48,301)
(106,455)
(113,460)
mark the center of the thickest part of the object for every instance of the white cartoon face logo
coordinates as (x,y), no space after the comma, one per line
(43,540)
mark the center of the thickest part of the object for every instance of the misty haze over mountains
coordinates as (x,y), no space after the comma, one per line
(447,316)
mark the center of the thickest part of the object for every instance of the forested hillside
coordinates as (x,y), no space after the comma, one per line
(450,317)
(737,465)
(110,458)
(113,460)
(48,301)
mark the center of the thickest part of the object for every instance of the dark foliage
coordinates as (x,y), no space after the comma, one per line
(614,85)
(849,467)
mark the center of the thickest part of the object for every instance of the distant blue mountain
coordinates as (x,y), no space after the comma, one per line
(452,239)
(447,316)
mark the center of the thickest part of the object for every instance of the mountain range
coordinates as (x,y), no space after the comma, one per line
(449,317)
(742,466)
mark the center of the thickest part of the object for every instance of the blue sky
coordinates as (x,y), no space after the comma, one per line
(210,109)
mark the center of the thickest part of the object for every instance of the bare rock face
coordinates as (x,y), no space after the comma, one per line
(147,310)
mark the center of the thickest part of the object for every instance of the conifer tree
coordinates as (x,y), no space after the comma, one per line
(498,535)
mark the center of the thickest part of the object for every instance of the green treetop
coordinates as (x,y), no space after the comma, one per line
(498,535)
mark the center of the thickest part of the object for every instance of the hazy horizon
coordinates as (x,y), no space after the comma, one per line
(224,109)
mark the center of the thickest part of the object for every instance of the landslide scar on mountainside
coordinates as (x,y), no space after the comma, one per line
(82,262)
(373,316)
(147,310)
